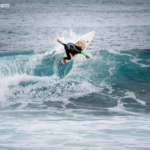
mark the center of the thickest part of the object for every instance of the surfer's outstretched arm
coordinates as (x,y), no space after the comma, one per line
(60,42)
(79,50)
(83,53)
(88,57)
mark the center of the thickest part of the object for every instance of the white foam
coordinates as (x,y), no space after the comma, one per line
(71,131)
(120,107)
(132,95)
(135,60)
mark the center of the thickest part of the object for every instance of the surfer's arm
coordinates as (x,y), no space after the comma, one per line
(62,43)
(83,53)
(88,57)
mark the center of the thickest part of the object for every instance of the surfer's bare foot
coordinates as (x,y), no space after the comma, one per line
(88,57)
(64,60)
(57,40)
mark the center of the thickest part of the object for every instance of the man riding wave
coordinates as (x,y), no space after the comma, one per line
(72,49)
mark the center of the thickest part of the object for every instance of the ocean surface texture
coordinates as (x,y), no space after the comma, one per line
(98,104)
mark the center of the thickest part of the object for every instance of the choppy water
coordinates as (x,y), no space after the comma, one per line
(101,103)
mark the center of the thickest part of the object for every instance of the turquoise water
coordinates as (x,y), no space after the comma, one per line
(100,103)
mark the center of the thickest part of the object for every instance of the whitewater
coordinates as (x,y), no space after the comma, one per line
(100,103)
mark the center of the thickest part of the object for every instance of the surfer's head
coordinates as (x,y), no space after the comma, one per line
(73,52)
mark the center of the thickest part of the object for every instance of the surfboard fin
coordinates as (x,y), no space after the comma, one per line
(61,64)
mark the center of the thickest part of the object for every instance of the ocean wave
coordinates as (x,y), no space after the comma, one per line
(31,78)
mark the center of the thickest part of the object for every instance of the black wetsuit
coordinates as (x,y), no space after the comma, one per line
(70,48)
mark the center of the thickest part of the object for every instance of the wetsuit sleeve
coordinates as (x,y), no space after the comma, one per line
(83,53)
(62,43)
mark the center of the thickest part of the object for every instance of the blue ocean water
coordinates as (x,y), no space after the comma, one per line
(101,103)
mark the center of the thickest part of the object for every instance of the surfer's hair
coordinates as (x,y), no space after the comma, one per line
(73,52)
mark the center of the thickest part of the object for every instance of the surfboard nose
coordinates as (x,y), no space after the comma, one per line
(94,32)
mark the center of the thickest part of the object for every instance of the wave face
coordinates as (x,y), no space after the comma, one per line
(110,79)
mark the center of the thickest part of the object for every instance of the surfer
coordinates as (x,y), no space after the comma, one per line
(72,49)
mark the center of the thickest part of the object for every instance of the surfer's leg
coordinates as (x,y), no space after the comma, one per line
(64,60)
(68,55)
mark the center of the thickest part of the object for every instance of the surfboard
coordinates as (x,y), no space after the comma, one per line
(85,40)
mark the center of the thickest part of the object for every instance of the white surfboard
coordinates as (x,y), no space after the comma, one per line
(85,40)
